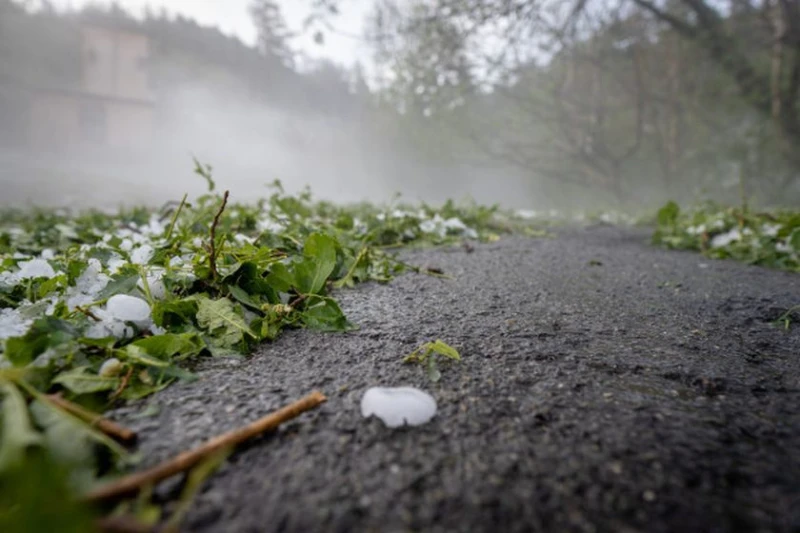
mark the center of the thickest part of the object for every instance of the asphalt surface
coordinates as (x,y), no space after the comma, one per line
(606,385)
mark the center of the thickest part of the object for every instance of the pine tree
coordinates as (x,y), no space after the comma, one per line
(273,34)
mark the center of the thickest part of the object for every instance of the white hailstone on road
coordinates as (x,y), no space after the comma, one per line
(107,327)
(455,223)
(110,368)
(126,245)
(434,225)
(35,268)
(398,406)
(142,254)
(155,283)
(771,230)
(115,263)
(527,213)
(241,238)
(125,308)
(359,226)
(13,324)
(153,227)
(724,239)
(269,225)
(696,230)
(9,278)
(88,285)
(458,224)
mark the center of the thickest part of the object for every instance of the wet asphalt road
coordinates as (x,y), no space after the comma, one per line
(606,385)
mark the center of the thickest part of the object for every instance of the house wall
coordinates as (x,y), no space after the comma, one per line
(54,123)
(113,108)
(115,63)
(62,121)
(129,125)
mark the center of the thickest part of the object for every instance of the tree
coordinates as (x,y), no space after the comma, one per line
(273,34)
(608,94)
(742,50)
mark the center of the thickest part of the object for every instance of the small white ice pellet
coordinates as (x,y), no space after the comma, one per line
(129,309)
(35,268)
(398,406)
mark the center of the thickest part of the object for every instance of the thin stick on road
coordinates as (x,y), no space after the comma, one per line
(132,483)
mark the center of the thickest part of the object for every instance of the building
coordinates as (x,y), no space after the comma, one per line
(112,107)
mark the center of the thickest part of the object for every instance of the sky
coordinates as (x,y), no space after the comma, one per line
(232,18)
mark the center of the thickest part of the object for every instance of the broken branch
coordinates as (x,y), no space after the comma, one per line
(87,313)
(124,383)
(184,461)
(105,425)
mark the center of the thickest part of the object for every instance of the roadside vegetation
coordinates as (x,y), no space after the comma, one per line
(98,309)
(770,239)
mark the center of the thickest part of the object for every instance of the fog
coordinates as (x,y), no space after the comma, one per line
(101,109)
(248,145)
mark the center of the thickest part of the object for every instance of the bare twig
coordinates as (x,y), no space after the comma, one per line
(105,425)
(297,301)
(212,246)
(184,461)
(124,383)
(88,313)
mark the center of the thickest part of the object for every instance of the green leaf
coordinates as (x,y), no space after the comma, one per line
(444,349)
(44,333)
(280,278)
(169,345)
(67,441)
(50,285)
(81,380)
(139,355)
(426,355)
(220,319)
(204,171)
(320,260)
(119,284)
(433,370)
(325,314)
(794,240)
(217,349)
(174,313)
(668,215)
(137,389)
(20,351)
(241,296)
(18,434)
(179,373)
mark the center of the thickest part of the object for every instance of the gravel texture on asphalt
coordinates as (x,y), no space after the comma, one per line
(606,385)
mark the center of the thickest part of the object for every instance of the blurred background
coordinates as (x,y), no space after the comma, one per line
(543,104)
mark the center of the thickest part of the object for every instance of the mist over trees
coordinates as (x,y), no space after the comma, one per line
(627,98)
(568,104)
